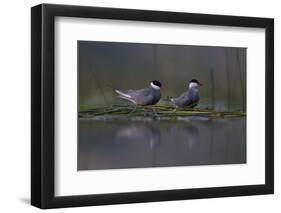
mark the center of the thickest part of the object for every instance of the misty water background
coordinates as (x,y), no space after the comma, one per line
(103,66)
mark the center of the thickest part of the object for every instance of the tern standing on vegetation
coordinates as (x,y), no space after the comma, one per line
(189,98)
(143,97)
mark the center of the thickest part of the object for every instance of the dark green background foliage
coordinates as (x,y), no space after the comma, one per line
(106,65)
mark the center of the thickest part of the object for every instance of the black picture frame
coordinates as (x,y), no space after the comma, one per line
(43,117)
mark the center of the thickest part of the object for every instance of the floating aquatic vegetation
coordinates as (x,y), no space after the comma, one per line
(160,112)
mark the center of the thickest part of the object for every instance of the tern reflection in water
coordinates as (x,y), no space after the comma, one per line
(140,134)
(116,145)
(187,134)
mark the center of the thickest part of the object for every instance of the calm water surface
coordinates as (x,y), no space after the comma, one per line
(140,144)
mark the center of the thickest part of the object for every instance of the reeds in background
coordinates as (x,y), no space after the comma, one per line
(222,70)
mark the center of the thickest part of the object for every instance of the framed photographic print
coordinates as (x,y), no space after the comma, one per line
(139,106)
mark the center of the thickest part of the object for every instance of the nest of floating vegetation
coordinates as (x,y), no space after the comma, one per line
(151,112)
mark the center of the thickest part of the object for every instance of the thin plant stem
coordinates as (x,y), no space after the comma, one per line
(227,79)
(240,78)
(97,83)
(212,88)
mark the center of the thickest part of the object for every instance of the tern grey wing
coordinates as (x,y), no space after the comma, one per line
(182,100)
(142,96)
(188,98)
(139,97)
(139,92)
